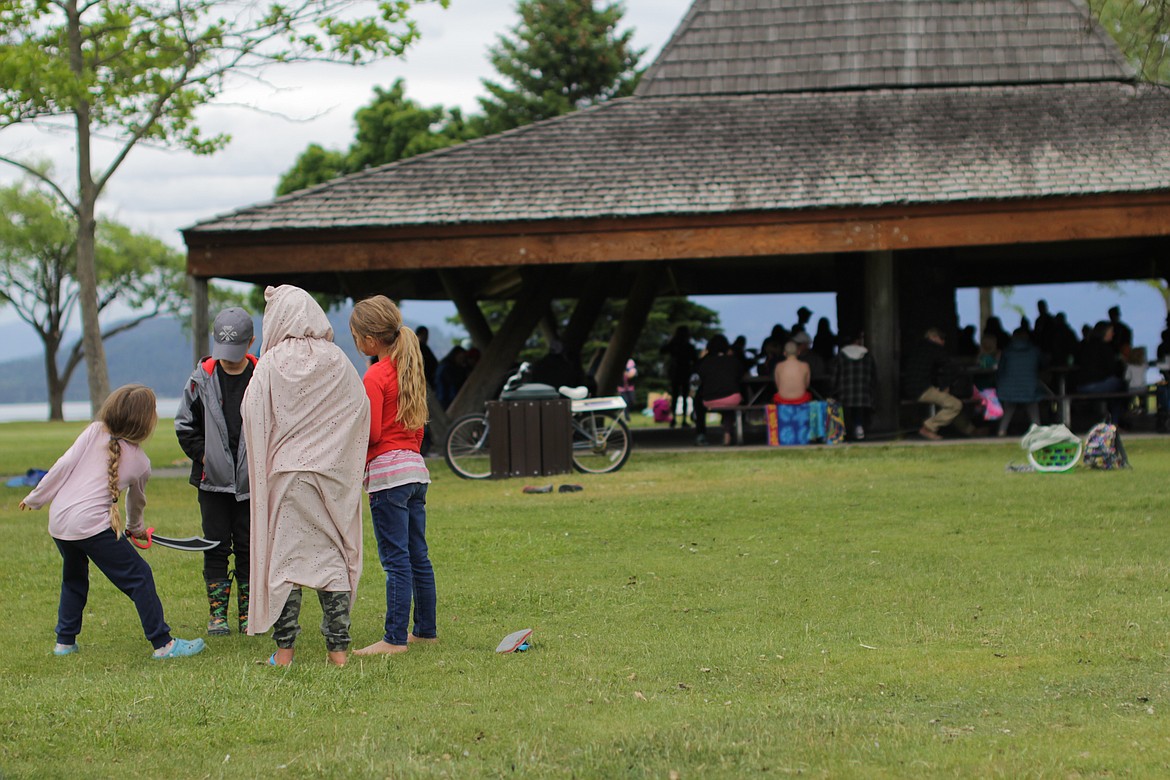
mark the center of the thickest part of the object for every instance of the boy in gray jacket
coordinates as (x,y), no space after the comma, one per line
(208,425)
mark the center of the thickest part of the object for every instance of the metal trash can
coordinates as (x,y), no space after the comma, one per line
(530,438)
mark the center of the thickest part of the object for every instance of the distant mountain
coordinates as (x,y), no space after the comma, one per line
(156,353)
(19,340)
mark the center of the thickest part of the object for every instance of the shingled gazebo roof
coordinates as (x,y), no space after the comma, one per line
(795,104)
(754,46)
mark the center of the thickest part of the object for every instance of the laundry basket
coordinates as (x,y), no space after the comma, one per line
(1062,456)
(1052,448)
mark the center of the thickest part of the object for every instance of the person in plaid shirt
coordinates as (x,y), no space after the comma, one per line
(854,380)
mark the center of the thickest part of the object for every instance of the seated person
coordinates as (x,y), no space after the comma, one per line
(819,379)
(926,375)
(792,376)
(720,376)
(1101,368)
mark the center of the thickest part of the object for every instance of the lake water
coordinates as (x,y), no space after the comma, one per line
(74,410)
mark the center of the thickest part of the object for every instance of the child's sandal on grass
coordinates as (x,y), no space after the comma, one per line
(180,648)
(273,662)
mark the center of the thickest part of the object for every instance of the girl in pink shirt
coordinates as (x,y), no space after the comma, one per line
(396,475)
(83,488)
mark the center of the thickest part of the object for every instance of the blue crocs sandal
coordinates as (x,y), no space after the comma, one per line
(272,662)
(182,648)
(60,649)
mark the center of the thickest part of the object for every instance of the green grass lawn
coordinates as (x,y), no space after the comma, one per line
(866,612)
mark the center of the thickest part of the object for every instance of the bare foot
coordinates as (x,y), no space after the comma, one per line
(337,657)
(283,656)
(411,639)
(381,648)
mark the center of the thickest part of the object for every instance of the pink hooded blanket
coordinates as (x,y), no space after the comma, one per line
(306,423)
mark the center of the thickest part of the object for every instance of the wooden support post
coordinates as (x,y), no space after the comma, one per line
(200,320)
(548,326)
(589,307)
(986,309)
(501,353)
(882,335)
(629,327)
(438,421)
(849,275)
(469,312)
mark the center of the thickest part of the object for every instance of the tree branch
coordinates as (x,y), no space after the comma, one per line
(43,178)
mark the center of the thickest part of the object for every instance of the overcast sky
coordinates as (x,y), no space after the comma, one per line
(160,192)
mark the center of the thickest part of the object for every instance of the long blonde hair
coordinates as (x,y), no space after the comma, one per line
(379,318)
(129,414)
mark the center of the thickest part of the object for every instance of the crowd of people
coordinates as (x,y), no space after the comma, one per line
(1004,372)
(794,365)
(1001,372)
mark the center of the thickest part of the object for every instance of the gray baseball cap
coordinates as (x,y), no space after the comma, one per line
(231,335)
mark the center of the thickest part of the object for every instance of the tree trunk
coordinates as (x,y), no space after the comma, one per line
(91,333)
(53,382)
(91,329)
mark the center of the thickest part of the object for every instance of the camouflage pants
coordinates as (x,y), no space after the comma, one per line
(334,620)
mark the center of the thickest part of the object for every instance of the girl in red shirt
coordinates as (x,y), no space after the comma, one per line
(396,474)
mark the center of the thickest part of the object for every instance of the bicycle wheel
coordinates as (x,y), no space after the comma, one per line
(467,451)
(601,442)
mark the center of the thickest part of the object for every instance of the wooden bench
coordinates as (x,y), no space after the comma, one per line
(1066,401)
(740,411)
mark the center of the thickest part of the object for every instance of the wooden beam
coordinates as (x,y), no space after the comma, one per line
(470,314)
(505,345)
(882,336)
(589,306)
(697,237)
(625,335)
(548,325)
(200,319)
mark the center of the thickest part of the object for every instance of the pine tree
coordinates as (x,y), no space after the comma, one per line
(563,55)
(390,127)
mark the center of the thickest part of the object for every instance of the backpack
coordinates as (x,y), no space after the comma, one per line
(834,423)
(1103,448)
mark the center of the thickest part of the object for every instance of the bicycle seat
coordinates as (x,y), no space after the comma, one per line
(533,391)
(574,393)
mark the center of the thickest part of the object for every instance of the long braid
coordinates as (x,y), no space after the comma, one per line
(129,414)
(112,471)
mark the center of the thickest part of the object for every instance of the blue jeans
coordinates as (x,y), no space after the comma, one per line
(121,563)
(400,526)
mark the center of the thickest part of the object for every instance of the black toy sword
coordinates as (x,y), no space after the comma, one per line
(190,543)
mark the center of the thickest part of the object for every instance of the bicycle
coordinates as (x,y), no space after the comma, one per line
(600,437)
